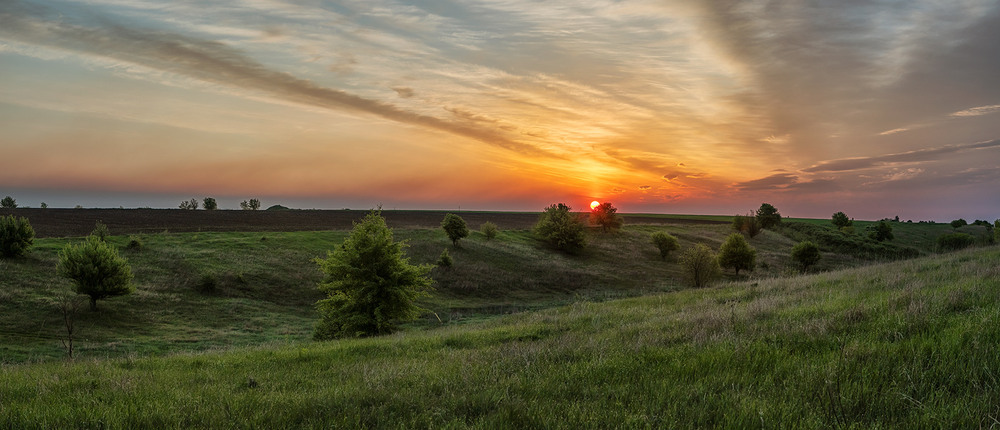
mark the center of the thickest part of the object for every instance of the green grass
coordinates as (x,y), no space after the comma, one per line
(909,344)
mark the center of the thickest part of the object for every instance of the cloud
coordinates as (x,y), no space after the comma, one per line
(645,187)
(404,92)
(920,155)
(893,131)
(977,111)
(216,63)
(780,180)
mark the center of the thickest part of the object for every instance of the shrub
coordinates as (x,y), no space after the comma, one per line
(96,269)
(16,236)
(8,203)
(768,216)
(134,243)
(369,282)
(250,205)
(736,253)
(189,205)
(454,226)
(840,220)
(100,231)
(489,230)
(605,215)
(954,241)
(881,231)
(958,223)
(700,265)
(665,243)
(445,260)
(207,284)
(805,254)
(747,224)
(209,204)
(562,229)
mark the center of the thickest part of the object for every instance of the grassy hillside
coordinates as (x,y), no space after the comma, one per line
(910,344)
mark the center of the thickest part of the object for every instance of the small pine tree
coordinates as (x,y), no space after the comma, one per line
(445,260)
(96,269)
(805,254)
(665,243)
(561,228)
(100,231)
(8,203)
(489,230)
(700,265)
(736,253)
(16,236)
(455,227)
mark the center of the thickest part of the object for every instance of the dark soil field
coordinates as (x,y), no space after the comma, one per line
(80,222)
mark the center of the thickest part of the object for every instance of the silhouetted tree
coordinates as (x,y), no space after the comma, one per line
(768,216)
(605,215)
(8,203)
(189,205)
(455,227)
(736,253)
(959,223)
(250,205)
(209,204)
(840,220)
(561,229)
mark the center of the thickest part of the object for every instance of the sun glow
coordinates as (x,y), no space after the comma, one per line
(594,204)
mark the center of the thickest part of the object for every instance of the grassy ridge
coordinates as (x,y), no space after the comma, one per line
(907,344)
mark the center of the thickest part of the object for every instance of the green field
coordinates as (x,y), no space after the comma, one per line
(218,335)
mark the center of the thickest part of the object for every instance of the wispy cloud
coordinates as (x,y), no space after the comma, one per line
(977,111)
(920,155)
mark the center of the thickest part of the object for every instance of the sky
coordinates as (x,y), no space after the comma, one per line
(874,108)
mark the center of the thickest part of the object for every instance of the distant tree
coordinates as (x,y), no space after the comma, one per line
(445,260)
(209,204)
(561,228)
(880,231)
(700,265)
(489,230)
(605,215)
(189,205)
(454,226)
(250,205)
(100,231)
(369,283)
(44,205)
(747,224)
(96,269)
(736,253)
(16,236)
(805,254)
(665,243)
(768,216)
(8,203)
(840,220)
(958,223)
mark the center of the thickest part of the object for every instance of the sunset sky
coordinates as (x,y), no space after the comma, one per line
(874,108)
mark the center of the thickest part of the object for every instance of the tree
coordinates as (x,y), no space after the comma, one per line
(250,205)
(665,243)
(16,236)
(455,227)
(880,232)
(96,269)
(562,229)
(489,230)
(747,224)
(189,205)
(369,283)
(100,231)
(840,220)
(768,216)
(209,204)
(605,215)
(700,265)
(44,205)
(8,203)
(805,254)
(958,223)
(445,260)
(736,253)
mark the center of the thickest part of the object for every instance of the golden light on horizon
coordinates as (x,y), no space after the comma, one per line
(594,204)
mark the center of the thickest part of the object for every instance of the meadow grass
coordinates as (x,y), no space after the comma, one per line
(909,344)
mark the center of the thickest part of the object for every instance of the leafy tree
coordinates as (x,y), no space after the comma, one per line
(445,260)
(736,253)
(189,205)
(16,236)
(455,227)
(665,243)
(954,241)
(700,265)
(958,223)
(96,269)
(44,205)
(250,205)
(747,224)
(100,231)
(768,216)
(489,230)
(8,203)
(369,282)
(805,254)
(880,232)
(840,220)
(561,229)
(605,215)
(209,204)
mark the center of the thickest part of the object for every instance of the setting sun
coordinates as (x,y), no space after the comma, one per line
(594,204)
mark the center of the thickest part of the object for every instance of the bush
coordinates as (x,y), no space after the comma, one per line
(445,260)
(250,205)
(189,205)
(958,223)
(840,220)
(736,253)
(96,269)
(605,215)
(489,230)
(101,231)
(134,243)
(768,216)
(562,229)
(16,236)
(8,203)
(207,284)
(700,265)
(881,231)
(954,241)
(805,254)
(665,243)
(747,224)
(369,282)
(454,226)
(209,204)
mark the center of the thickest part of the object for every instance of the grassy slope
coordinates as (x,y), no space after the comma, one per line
(909,344)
